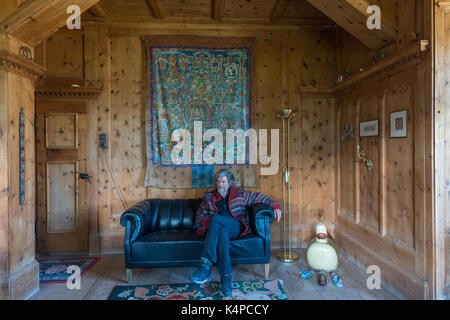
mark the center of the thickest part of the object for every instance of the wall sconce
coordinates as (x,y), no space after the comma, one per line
(348,132)
(361,155)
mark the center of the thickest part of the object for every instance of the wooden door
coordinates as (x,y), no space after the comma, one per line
(62,192)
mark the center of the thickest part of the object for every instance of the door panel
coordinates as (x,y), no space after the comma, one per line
(62,195)
(61,131)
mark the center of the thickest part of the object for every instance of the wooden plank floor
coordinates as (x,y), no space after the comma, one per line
(98,283)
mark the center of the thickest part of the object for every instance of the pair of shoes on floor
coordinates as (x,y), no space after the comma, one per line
(203,274)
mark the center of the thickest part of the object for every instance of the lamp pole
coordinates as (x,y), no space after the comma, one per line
(286,255)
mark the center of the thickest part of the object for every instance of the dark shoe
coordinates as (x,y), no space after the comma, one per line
(203,274)
(322,280)
(226,285)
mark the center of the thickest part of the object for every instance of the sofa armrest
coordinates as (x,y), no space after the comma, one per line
(259,216)
(139,217)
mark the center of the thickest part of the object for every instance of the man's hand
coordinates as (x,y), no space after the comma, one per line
(278,214)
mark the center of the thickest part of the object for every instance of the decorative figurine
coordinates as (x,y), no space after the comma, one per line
(322,257)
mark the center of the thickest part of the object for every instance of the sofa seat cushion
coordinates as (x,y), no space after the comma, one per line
(186,245)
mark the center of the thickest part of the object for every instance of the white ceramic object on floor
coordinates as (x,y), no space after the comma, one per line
(321,255)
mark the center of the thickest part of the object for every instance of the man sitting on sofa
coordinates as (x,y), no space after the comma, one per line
(221,216)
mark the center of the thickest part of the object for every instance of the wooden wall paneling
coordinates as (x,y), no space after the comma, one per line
(419,174)
(345,192)
(400,165)
(318,164)
(66,49)
(369,179)
(91,75)
(269,91)
(406,16)
(4,187)
(128,157)
(294,51)
(41,179)
(357,163)
(428,10)
(384,127)
(441,151)
(395,237)
(22,272)
(103,126)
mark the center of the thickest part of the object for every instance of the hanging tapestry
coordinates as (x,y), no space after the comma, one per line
(196,84)
(195,88)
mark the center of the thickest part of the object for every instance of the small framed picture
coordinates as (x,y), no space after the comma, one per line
(398,124)
(368,128)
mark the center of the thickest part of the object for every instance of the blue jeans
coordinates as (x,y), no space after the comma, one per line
(216,248)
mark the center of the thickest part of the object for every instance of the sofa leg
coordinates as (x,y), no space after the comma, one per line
(129,275)
(266,270)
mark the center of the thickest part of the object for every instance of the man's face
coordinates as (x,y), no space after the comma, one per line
(222,185)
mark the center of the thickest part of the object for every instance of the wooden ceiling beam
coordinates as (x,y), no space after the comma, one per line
(36,20)
(98,11)
(157,7)
(218,9)
(352,16)
(278,10)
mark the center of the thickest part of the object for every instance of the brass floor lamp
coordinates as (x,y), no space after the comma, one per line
(287,255)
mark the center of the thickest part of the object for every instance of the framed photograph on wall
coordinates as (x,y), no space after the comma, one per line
(368,128)
(398,124)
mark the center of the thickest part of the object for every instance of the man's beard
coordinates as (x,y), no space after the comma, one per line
(222,191)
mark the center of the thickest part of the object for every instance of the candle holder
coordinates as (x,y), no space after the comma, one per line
(361,155)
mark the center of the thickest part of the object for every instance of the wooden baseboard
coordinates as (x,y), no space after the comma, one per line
(21,284)
(395,279)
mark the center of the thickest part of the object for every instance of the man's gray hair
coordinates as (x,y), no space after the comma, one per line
(225,173)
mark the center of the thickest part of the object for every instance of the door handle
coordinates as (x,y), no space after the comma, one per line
(85,176)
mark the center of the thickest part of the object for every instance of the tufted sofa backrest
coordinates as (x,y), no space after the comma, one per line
(173,214)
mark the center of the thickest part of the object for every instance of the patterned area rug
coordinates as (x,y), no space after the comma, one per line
(54,270)
(242,290)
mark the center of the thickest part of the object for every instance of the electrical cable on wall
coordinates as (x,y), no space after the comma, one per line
(119,192)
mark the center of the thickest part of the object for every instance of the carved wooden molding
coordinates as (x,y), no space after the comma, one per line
(21,66)
(409,57)
(68,93)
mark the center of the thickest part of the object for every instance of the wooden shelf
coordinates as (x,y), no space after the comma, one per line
(68,92)
(412,55)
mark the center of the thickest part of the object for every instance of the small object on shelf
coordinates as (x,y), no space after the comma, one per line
(337,281)
(322,279)
(306,274)
(26,53)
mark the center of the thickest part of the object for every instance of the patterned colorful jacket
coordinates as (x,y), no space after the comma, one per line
(238,200)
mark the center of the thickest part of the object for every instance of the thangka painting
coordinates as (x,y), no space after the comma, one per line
(197,82)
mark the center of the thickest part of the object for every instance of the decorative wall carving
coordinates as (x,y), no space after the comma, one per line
(21,66)
(66,93)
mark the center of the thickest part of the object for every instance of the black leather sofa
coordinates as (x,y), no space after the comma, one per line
(159,233)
